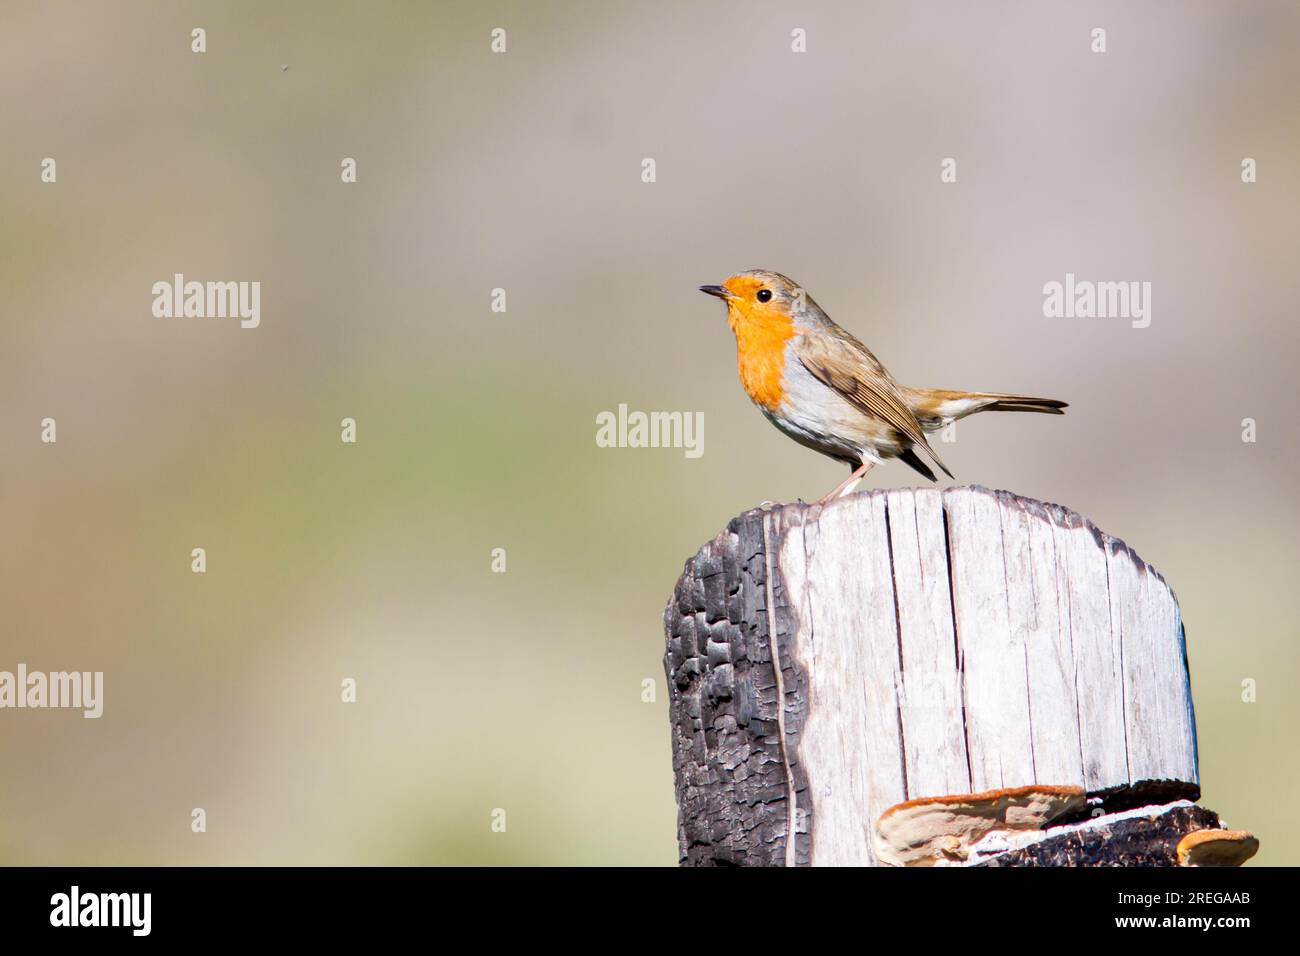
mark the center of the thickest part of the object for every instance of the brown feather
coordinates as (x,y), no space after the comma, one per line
(843,363)
(933,406)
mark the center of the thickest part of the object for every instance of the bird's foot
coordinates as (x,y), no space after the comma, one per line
(846,486)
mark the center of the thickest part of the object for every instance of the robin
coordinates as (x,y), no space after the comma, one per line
(824,388)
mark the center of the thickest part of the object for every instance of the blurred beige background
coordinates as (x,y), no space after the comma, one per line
(476,430)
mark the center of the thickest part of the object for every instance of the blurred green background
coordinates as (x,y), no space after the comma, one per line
(476,430)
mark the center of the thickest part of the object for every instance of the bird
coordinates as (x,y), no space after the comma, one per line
(822,387)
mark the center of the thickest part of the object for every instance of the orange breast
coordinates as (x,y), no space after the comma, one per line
(760,354)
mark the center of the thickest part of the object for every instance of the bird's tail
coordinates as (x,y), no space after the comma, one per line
(935,407)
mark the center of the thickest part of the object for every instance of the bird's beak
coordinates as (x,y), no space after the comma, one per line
(717,290)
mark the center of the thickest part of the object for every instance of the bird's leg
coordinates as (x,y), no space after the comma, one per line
(848,484)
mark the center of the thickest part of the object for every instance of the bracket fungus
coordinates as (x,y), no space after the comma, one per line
(943,831)
(1217,848)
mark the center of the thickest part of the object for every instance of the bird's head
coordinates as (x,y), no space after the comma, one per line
(762,298)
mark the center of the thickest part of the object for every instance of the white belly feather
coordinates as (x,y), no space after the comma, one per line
(816,415)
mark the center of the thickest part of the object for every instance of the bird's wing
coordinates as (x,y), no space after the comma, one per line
(844,364)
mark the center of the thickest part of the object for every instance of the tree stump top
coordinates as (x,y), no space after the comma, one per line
(927,643)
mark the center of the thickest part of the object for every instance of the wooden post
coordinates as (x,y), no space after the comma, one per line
(998,652)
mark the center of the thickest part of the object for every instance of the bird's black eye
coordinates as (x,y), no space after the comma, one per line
(764,295)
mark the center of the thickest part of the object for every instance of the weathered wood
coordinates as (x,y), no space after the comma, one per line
(1145,837)
(931,687)
(732,788)
(928,643)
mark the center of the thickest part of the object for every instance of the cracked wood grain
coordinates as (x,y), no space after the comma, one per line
(792,797)
(827,663)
